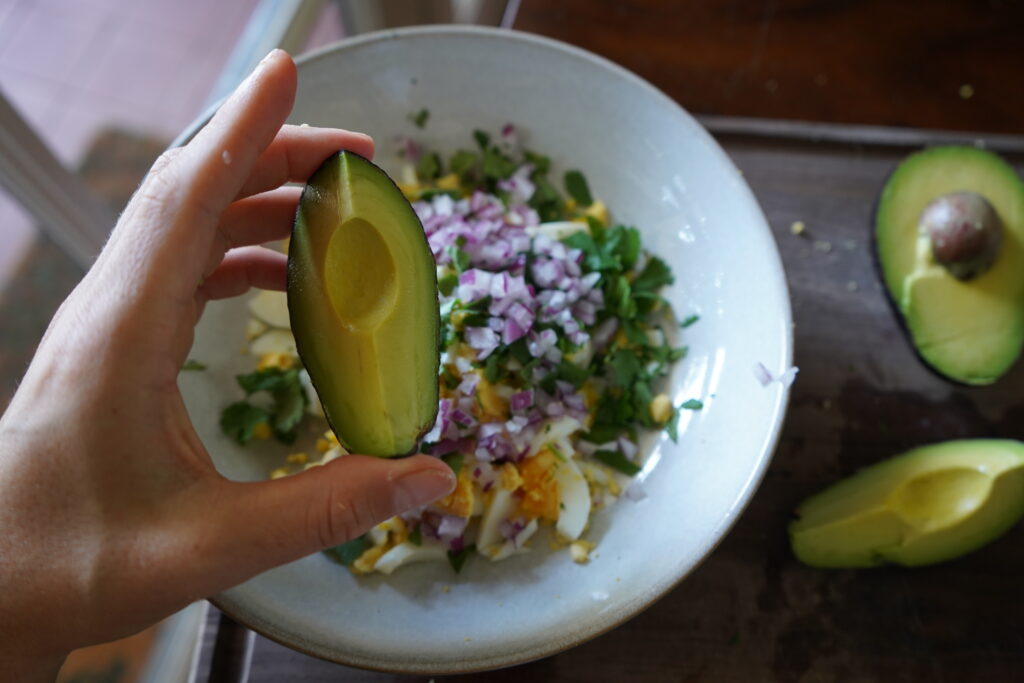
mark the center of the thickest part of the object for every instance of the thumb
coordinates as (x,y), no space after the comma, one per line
(273,522)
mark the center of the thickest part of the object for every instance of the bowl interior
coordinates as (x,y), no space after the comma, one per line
(656,169)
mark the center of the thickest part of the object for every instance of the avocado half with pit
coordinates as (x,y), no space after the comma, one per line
(949,233)
(928,505)
(362,299)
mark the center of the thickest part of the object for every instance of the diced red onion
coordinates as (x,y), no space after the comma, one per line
(521,400)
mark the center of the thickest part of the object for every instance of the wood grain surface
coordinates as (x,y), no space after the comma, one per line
(884,62)
(751,612)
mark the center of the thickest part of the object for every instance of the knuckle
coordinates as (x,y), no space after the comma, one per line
(343,519)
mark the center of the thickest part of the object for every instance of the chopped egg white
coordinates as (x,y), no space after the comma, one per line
(408,553)
(274,341)
(574,498)
(271,307)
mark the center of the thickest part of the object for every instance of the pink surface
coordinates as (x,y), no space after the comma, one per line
(75,67)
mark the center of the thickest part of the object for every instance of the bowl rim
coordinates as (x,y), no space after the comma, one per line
(245,617)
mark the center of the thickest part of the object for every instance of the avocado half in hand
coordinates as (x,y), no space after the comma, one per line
(928,505)
(949,234)
(362,298)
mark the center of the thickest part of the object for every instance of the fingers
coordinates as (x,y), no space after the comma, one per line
(297,151)
(217,162)
(259,219)
(270,523)
(244,268)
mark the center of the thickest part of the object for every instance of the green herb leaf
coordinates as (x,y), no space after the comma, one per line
(449,378)
(576,186)
(635,333)
(454,461)
(482,138)
(463,161)
(672,426)
(446,285)
(429,166)
(690,319)
(289,408)
(458,559)
(460,259)
(350,551)
(289,402)
(497,166)
(602,433)
(625,367)
(692,404)
(654,275)
(493,370)
(416,535)
(267,379)
(239,420)
(420,118)
(629,246)
(616,460)
(192,365)
(432,192)
(572,373)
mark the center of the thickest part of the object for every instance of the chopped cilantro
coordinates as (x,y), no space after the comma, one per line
(692,404)
(572,373)
(419,119)
(616,460)
(432,192)
(429,166)
(482,138)
(654,275)
(446,285)
(416,535)
(239,420)
(672,426)
(493,370)
(576,186)
(463,161)
(192,365)
(602,433)
(458,559)
(449,378)
(453,460)
(460,259)
(690,319)
(350,551)
(625,366)
(289,404)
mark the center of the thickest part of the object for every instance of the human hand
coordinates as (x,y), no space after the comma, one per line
(111,511)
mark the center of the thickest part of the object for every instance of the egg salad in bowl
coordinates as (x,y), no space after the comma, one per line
(555,346)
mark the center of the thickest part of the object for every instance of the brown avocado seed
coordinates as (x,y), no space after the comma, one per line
(965,233)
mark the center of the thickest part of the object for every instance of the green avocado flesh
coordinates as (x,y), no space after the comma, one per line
(928,505)
(362,298)
(971,330)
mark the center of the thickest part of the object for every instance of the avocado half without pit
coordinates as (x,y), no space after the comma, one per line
(928,505)
(362,298)
(949,235)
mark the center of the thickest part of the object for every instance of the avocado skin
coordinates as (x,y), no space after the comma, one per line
(382,413)
(928,505)
(980,357)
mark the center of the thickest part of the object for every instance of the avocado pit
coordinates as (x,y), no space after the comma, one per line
(965,233)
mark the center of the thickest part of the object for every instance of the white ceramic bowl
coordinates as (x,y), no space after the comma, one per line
(657,169)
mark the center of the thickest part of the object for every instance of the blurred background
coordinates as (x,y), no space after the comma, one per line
(107,84)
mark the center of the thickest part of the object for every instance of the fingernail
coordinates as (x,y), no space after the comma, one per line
(421,487)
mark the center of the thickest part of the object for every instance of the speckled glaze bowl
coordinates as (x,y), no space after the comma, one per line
(657,169)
